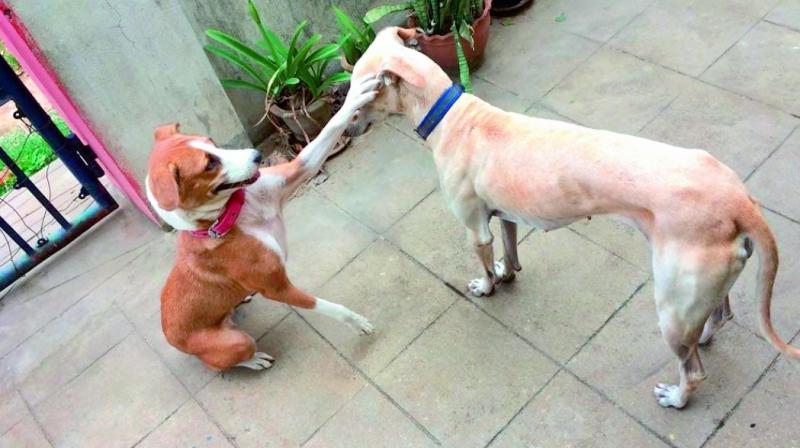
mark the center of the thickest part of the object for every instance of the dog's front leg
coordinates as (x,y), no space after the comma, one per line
(482,240)
(507,268)
(310,160)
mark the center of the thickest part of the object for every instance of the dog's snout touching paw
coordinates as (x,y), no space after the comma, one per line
(259,361)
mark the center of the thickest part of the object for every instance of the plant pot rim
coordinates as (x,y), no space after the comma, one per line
(487,5)
(517,7)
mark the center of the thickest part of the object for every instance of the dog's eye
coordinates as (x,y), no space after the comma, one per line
(212,164)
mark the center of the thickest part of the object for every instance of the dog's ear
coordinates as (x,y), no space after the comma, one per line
(166,130)
(396,68)
(164,184)
(406,33)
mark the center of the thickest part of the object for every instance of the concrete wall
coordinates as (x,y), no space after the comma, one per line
(130,65)
(282,16)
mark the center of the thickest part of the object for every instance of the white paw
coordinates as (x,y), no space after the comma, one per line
(259,361)
(669,395)
(504,274)
(359,324)
(480,287)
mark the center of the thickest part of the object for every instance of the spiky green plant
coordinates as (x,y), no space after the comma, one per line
(279,70)
(353,39)
(440,17)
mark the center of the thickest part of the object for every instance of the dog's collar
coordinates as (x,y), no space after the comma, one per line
(439,110)
(226,220)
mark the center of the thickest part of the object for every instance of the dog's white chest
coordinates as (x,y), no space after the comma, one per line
(262,219)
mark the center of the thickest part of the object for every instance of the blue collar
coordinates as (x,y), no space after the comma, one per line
(439,110)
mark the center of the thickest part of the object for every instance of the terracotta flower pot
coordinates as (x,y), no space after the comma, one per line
(319,110)
(442,48)
(502,8)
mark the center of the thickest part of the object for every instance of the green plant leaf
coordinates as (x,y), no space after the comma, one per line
(463,67)
(421,11)
(293,43)
(272,88)
(377,13)
(236,45)
(348,49)
(465,31)
(237,61)
(291,81)
(239,84)
(323,53)
(336,78)
(272,43)
(346,24)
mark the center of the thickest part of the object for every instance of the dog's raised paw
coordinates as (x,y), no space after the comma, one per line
(480,287)
(259,361)
(669,395)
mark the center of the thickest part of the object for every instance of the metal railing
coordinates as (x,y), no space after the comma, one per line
(76,157)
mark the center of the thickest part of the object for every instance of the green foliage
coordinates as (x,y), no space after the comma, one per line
(277,69)
(354,39)
(12,61)
(30,151)
(439,17)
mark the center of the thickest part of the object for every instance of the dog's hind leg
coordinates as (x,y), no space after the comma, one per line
(225,346)
(690,283)
(722,313)
(716,320)
(507,267)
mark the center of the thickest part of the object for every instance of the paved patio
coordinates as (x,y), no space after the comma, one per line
(566,356)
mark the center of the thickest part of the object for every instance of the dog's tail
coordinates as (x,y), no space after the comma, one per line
(755,226)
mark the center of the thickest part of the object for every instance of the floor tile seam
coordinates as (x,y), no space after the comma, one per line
(371,382)
(772,153)
(68,308)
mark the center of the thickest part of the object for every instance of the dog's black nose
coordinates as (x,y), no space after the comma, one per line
(257,158)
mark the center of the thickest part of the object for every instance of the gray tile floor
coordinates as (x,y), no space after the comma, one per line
(565,356)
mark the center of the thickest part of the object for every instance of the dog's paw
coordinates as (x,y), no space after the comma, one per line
(503,274)
(480,287)
(669,395)
(259,361)
(359,324)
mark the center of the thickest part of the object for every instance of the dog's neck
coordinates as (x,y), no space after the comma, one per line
(416,104)
(193,219)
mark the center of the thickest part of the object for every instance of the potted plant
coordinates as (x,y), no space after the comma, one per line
(437,22)
(354,39)
(502,8)
(292,76)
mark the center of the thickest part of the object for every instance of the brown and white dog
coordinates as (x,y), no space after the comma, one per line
(191,183)
(695,212)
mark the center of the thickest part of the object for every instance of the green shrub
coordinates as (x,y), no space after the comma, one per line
(440,17)
(353,39)
(30,151)
(279,70)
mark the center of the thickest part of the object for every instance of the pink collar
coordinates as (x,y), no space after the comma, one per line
(226,221)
